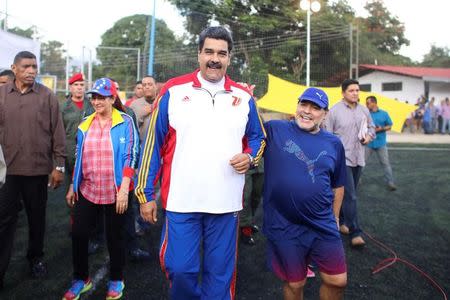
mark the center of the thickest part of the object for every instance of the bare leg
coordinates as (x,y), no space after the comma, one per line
(293,290)
(333,286)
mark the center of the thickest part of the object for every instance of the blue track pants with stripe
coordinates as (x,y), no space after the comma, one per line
(180,254)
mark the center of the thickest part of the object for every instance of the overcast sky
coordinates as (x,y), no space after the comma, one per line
(81,23)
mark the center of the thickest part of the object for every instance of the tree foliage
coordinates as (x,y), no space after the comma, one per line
(266,34)
(28,33)
(132,32)
(53,59)
(270,36)
(437,57)
(385,31)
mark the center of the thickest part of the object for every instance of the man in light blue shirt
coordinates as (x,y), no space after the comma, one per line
(383,123)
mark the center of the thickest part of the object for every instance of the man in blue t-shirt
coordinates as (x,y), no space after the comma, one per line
(304,181)
(382,123)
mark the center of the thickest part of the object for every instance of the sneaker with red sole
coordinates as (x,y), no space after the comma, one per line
(78,287)
(115,290)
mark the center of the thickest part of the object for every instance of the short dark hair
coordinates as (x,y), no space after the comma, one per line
(215,32)
(8,73)
(372,99)
(149,76)
(138,82)
(348,82)
(23,54)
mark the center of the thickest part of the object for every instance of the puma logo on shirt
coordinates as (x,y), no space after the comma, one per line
(292,147)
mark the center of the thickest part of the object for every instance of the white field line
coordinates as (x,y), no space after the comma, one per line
(417,149)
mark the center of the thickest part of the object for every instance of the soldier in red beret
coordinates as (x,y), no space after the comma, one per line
(73,112)
(76,77)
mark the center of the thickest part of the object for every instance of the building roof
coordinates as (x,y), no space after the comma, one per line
(431,74)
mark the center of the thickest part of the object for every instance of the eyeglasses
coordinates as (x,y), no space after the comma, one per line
(98,97)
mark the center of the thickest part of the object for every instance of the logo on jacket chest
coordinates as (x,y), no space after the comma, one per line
(122,140)
(236,101)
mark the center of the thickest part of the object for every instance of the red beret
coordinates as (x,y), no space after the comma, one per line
(76,77)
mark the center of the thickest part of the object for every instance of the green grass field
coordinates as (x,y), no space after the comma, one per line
(414,221)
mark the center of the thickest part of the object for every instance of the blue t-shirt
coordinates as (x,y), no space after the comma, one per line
(427,114)
(380,119)
(301,169)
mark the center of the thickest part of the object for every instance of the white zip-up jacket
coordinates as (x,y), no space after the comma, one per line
(191,139)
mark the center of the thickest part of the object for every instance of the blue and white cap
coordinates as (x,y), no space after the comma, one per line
(315,95)
(104,87)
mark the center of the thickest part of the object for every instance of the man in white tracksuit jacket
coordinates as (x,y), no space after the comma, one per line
(204,135)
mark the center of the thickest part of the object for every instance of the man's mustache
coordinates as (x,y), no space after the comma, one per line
(214,65)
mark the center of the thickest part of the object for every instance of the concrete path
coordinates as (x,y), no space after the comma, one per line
(418,138)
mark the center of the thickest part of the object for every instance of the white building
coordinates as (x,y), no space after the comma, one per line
(405,83)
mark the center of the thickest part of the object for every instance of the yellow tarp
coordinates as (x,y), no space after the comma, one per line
(282,97)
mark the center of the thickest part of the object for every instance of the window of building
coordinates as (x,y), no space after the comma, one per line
(391,86)
(365,87)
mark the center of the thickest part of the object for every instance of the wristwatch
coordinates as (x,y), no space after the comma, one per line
(60,169)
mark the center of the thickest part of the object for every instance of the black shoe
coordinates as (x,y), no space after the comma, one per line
(93,247)
(139,255)
(38,269)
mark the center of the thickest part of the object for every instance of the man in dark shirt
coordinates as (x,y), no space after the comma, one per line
(6,76)
(33,141)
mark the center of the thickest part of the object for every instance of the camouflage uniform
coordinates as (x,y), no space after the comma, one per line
(72,117)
